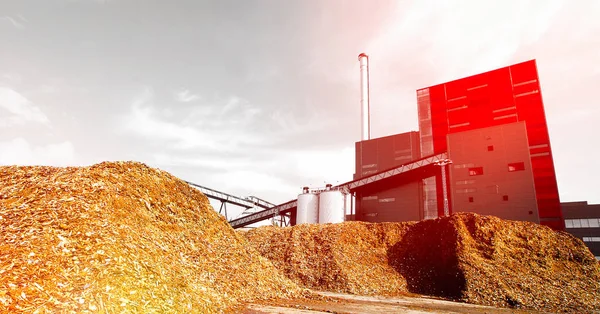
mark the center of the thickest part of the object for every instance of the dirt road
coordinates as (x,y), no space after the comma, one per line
(347,303)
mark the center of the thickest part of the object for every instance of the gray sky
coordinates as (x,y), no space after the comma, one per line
(262,97)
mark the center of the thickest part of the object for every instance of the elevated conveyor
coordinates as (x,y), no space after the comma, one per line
(352,186)
(224,198)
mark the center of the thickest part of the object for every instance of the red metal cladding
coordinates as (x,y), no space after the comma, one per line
(497,97)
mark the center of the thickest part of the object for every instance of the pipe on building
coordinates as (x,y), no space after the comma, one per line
(364,97)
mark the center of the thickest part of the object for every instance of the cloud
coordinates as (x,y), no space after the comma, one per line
(186,96)
(487,34)
(177,160)
(20,152)
(201,127)
(258,181)
(143,121)
(328,165)
(12,78)
(21,110)
(16,22)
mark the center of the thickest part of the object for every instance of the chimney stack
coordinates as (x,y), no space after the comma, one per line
(365,118)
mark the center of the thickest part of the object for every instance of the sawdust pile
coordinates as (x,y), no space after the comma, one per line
(121,237)
(350,257)
(466,257)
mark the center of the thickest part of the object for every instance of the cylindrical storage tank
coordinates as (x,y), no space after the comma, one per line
(331,207)
(307,211)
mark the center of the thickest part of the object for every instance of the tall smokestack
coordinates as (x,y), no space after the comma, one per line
(365,118)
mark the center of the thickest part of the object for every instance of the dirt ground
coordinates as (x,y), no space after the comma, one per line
(348,303)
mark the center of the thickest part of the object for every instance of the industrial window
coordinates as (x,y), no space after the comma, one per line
(505,197)
(568,223)
(490,148)
(463,166)
(470,199)
(591,239)
(477,171)
(516,166)
(582,223)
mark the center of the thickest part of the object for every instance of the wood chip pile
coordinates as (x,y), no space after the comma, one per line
(466,257)
(121,237)
(350,257)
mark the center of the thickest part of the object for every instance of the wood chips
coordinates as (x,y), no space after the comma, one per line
(466,257)
(121,237)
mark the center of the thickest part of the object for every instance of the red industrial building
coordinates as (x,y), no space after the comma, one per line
(493,128)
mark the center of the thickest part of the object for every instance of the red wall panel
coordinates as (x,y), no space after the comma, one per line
(497,97)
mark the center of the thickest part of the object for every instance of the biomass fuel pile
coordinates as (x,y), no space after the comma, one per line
(465,257)
(121,237)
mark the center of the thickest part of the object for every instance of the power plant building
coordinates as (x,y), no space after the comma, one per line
(493,128)
(507,95)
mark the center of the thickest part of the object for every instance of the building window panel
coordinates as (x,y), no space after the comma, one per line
(587,239)
(584,223)
(477,171)
(576,223)
(540,154)
(568,223)
(593,223)
(516,166)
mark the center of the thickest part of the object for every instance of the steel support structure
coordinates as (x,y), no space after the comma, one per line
(247,203)
(348,187)
(443,163)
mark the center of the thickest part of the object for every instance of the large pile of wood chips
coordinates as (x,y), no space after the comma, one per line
(121,237)
(466,257)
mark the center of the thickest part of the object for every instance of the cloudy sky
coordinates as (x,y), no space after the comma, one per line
(262,97)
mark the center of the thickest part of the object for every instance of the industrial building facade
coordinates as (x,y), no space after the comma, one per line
(395,202)
(493,128)
(491,172)
(583,221)
(503,96)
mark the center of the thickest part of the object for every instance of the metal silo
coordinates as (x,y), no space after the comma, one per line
(307,211)
(331,206)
